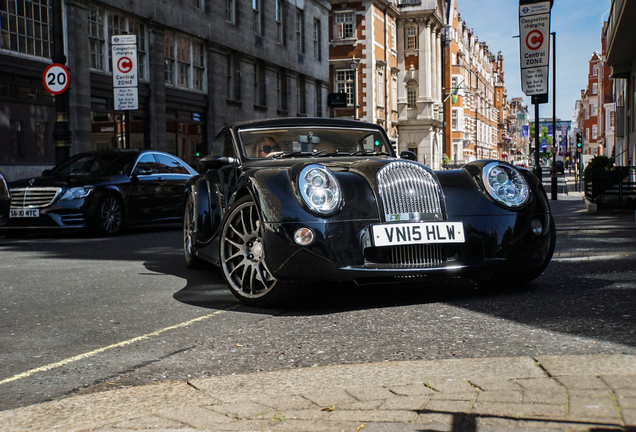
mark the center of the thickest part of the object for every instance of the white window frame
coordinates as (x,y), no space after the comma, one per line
(317,44)
(280,14)
(257,8)
(380,83)
(343,83)
(411,37)
(185,62)
(393,37)
(300,31)
(394,92)
(411,94)
(594,132)
(23,34)
(455,119)
(344,25)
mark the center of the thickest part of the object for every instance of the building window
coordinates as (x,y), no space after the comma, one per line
(394,92)
(302,105)
(393,37)
(344,25)
(259,84)
(318,99)
(380,87)
(594,131)
(411,37)
(230,11)
(169,57)
(279,21)
(258,25)
(594,110)
(344,83)
(411,94)
(317,39)
(595,70)
(96,40)
(594,88)
(197,4)
(455,120)
(300,31)
(612,119)
(184,62)
(25,27)
(120,24)
(233,78)
(281,89)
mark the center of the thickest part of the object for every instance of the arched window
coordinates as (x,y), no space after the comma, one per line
(411,37)
(411,94)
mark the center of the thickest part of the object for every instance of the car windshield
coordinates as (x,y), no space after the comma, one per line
(96,164)
(312,142)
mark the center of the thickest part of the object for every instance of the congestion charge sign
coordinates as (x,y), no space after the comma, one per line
(534,30)
(125,78)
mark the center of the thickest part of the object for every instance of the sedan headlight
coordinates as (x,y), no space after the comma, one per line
(77,192)
(320,189)
(505,184)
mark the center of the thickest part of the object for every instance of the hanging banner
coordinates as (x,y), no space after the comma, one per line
(534,46)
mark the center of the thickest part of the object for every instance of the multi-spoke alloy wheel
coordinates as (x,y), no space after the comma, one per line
(243,260)
(109,219)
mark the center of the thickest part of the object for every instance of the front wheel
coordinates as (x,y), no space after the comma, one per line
(108,219)
(243,259)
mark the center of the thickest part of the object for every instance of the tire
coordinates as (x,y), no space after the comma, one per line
(243,264)
(192,261)
(108,219)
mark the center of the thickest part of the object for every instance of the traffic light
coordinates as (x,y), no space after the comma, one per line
(198,150)
(579,141)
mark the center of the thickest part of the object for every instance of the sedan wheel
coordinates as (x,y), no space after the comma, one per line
(243,259)
(110,216)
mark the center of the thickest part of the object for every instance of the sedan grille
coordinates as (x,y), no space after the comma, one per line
(411,256)
(409,192)
(33,197)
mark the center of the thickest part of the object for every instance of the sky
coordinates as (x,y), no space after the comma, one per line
(578,25)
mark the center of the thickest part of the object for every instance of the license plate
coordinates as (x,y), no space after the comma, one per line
(24,213)
(418,233)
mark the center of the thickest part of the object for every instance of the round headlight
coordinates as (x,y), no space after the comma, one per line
(505,184)
(320,189)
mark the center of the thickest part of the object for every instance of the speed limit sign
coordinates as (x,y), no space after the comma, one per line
(56,78)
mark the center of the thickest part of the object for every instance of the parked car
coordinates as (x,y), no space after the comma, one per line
(5,200)
(103,191)
(290,201)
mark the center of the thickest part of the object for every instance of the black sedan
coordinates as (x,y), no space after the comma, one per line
(103,191)
(5,200)
(290,201)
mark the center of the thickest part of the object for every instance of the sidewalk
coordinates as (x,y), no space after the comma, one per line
(547,393)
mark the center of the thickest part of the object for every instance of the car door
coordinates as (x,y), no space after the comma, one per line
(144,197)
(174,176)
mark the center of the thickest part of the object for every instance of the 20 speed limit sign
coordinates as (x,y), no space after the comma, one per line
(56,78)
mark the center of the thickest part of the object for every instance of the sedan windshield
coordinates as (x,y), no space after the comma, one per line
(96,164)
(312,142)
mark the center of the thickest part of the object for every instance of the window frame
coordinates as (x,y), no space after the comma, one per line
(27,31)
(410,40)
(344,25)
(343,83)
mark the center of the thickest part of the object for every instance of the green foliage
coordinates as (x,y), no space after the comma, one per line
(598,169)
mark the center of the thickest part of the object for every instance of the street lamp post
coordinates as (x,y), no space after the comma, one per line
(354,68)
(553,172)
(61,130)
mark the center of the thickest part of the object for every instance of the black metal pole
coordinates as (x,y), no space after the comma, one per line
(61,130)
(537,126)
(553,171)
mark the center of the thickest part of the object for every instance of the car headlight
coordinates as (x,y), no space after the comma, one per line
(320,189)
(77,192)
(505,184)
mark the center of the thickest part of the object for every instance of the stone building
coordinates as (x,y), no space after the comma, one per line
(201,64)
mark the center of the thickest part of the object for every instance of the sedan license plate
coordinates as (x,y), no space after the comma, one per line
(24,213)
(418,233)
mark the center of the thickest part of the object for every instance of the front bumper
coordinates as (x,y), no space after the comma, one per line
(343,251)
(61,215)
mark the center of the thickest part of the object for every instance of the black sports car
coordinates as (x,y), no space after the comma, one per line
(5,200)
(103,191)
(297,200)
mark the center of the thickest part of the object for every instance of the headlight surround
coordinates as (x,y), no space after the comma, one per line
(505,184)
(320,189)
(77,193)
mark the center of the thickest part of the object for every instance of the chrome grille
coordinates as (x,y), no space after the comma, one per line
(410,256)
(33,197)
(409,192)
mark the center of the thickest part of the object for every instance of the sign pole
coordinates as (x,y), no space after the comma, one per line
(61,130)
(125,80)
(553,171)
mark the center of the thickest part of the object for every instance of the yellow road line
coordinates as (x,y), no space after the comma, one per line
(106,348)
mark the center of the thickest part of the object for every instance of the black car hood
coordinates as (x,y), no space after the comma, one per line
(60,181)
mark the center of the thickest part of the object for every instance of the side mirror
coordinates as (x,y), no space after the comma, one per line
(216,161)
(408,155)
